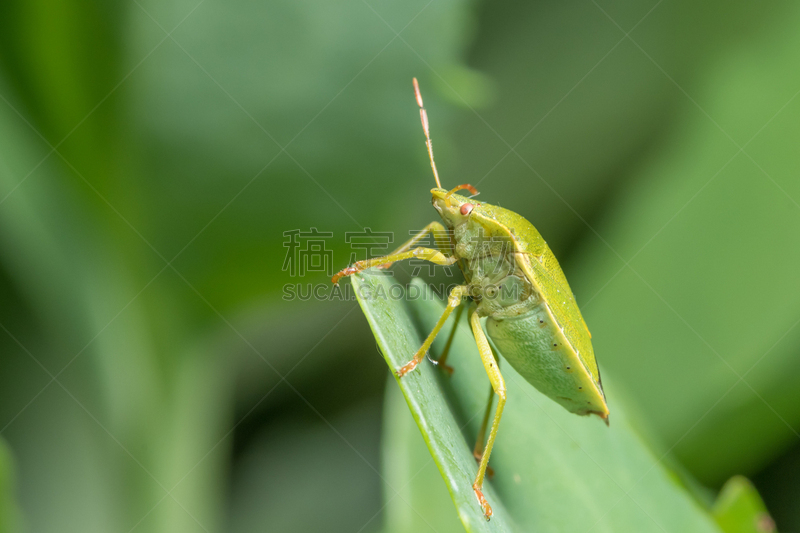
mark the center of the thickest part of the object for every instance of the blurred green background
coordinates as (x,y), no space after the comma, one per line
(152,154)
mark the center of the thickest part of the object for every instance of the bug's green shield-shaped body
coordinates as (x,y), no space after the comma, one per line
(533,318)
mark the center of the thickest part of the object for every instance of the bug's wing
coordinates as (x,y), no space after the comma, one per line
(546,275)
(541,268)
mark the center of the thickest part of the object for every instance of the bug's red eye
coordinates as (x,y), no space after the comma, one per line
(466,209)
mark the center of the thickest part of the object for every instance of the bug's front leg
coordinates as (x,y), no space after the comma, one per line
(440,236)
(427,254)
(499,386)
(453,301)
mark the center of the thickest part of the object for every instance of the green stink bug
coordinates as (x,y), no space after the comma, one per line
(515,281)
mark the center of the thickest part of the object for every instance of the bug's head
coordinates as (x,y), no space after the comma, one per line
(454,208)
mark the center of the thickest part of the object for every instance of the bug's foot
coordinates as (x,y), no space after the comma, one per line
(489,470)
(447,368)
(487,509)
(406,368)
(344,272)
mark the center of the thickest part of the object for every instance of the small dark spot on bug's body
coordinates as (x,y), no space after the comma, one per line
(569,367)
(580,388)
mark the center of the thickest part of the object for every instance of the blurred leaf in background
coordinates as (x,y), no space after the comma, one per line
(739,508)
(10,519)
(673,287)
(152,155)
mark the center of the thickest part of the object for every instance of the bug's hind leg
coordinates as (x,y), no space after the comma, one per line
(499,387)
(477,452)
(453,301)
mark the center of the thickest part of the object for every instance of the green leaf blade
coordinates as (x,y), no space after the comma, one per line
(398,339)
(554,471)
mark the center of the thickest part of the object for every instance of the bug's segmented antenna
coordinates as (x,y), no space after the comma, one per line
(423,115)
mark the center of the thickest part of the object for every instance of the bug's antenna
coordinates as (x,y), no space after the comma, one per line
(423,115)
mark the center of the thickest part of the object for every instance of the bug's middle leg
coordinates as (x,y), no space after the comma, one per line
(499,387)
(442,361)
(453,301)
